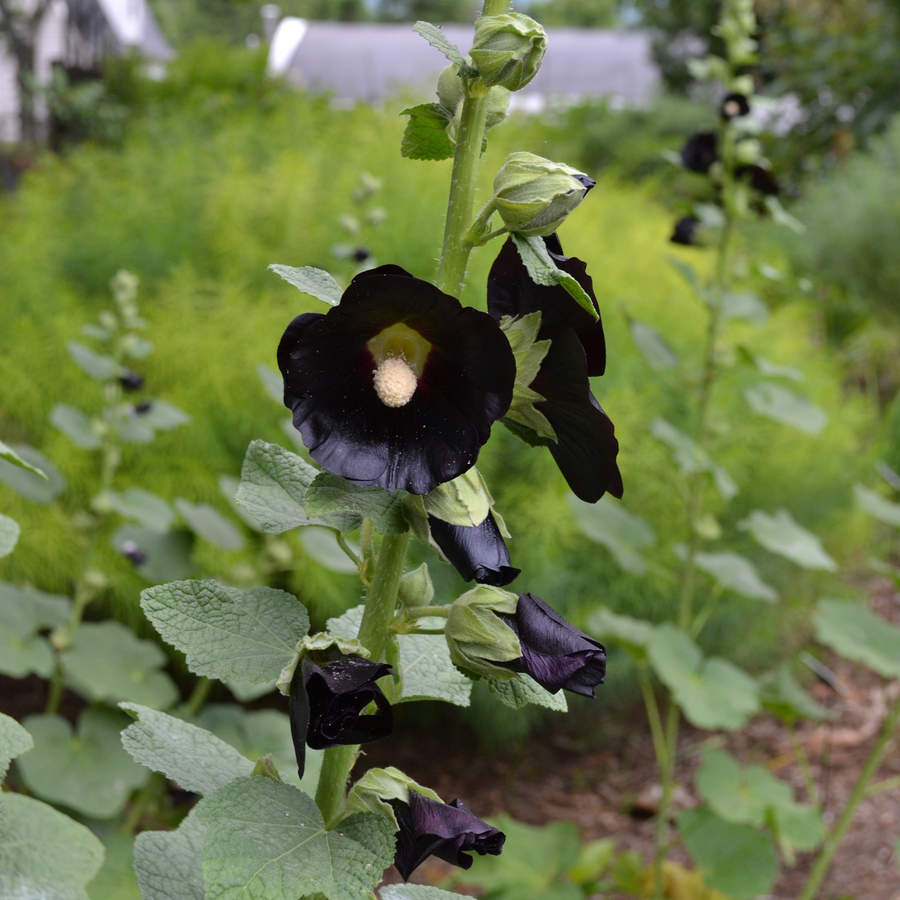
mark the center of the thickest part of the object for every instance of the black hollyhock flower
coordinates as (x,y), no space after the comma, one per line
(140,409)
(446,830)
(476,551)
(554,652)
(585,449)
(760,179)
(360,254)
(397,386)
(132,552)
(685,231)
(699,151)
(328,694)
(131,381)
(734,105)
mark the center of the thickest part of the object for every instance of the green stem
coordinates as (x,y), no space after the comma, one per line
(834,838)
(667,773)
(154,787)
(199,695)
(381,598)
(656,727)
(809,782)
(336,765)
(460,203)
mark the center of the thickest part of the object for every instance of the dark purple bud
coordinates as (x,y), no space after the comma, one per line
(734,105)
(760,179)
(446,830)
(131,551)
(685,231)
(476,551)
(360,254)
(140,408)
(329,692)
(131,381)
(554,652)
(699,152)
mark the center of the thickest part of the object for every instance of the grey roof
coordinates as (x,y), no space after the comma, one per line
(370,62)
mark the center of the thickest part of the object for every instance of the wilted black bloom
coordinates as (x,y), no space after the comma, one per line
(685,231)
(329,692)
(132,552)
(446,830)
(476,551)
(759,178)
(360,254)
(140,408)
(398,385)
(554,652)
(700,151)
(734,105)
(131,381)
(585,449)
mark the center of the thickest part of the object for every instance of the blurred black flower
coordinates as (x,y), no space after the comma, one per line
(446,830)
(133,553)
(734,105)
(131,381)
(139,409)
(554,652)
(329,692)
(685,231)
(700,151)
(360,254)
(398,385)
(759,178)
(477,551)
(585,448)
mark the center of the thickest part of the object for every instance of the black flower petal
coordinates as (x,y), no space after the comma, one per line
(327,699)
(476,551)
(511,292)
(133,553)
(586,447)
(554,652)
(700,151)
(685,231)
(734,105)
(760,179)
(131,381)
(465,384)
(446,830)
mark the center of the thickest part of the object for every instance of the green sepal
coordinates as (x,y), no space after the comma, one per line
(529,353)
(377,786)
(476,636)
(463,501)
(317,643)
(265,767)
(426,134)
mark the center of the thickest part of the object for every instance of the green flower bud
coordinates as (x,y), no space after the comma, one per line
(508,50)
(477,638)
(534,195)
(372,793)
(450,94)
(416,588)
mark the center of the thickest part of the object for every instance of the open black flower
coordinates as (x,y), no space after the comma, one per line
(398,385)
(554,652)
(734,105)
(446,830)
(700,151)
(585,448)
(476,551)
(685,231)
(329,692)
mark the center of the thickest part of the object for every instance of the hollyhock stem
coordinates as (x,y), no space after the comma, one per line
(336,765)
(381,598)
(456,248)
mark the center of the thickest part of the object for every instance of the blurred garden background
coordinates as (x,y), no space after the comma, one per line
(197,176)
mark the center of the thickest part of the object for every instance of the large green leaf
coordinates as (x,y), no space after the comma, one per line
(745,305)
(8,454)
(856,633)
(624,534)
(169,864)
(322,546)
(225,632)
(273,487)
(43,853)
(207,522)
(519,692)
(876,505)
(116,879)
(308,280)
(267,840)
(107,661)
(229,485)
(738,860)
(75,425)
(168,553)
(88,770)
(417,892)
(736,573)
(164,416)
(632,634)
(23,613)
(713,693)
(425,136)
(690,457)
(101,367)
(9,535)
(14,741)
(331,498)
(40,481)
(653,347)
(782,695)
(149,510)
(191,756)
(781,405)
(780,534)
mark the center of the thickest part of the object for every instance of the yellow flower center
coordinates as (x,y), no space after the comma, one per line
(400,353)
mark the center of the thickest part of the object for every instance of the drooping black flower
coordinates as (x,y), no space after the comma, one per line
(448,831)
(685,231)
(329,692)
(476,551)
(700,151)
(585,448)
(733,105)
(398,385)
(131,381)
(133,553)
(759,178)
(554,652)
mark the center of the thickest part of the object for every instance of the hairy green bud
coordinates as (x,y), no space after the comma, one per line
(477,637)
(508,50)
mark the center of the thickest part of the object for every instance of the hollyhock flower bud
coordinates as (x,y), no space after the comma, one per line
(508,50)
(131,381)
(685,231)
(534,195)
(476,551)
(700,151)
(133,553)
